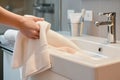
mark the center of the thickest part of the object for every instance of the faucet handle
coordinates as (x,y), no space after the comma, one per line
(108,14)
(101,13)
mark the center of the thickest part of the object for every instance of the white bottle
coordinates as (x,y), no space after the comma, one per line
(75,24)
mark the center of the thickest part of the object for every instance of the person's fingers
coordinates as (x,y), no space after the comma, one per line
(38,19)
(37,28)
(34,37)
(34,18)
(36,34)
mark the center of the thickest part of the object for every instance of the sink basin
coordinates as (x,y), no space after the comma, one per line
(99,60)
(98,46)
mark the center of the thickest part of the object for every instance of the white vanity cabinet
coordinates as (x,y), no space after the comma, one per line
(1,63)
(49,75)
(14,74)
(9,73)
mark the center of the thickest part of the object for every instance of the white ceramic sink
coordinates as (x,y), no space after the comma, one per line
(99,60)
(98,46)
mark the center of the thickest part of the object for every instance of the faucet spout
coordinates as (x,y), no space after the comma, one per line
(111,23)
(98,23)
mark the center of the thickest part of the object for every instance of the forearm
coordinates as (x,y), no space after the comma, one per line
(9,18)
(27,25)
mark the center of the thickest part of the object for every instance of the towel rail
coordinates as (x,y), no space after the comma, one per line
(5,48)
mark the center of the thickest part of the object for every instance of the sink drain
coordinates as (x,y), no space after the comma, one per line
(100,49)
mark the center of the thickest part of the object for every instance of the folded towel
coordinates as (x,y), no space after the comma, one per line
(8,38)
(10,35)
(33,55)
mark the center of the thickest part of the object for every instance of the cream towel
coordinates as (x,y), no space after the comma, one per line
(33,55)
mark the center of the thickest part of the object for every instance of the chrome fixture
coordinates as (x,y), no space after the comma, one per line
(44,7)
(9,8)
(111,23)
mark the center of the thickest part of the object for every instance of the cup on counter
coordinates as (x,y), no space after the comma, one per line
(75,24)
(75,29)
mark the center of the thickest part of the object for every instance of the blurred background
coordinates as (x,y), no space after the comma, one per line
(48,9)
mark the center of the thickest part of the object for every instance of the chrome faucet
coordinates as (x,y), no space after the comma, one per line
(111,23)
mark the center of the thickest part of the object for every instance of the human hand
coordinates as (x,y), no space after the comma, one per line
(29,27)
